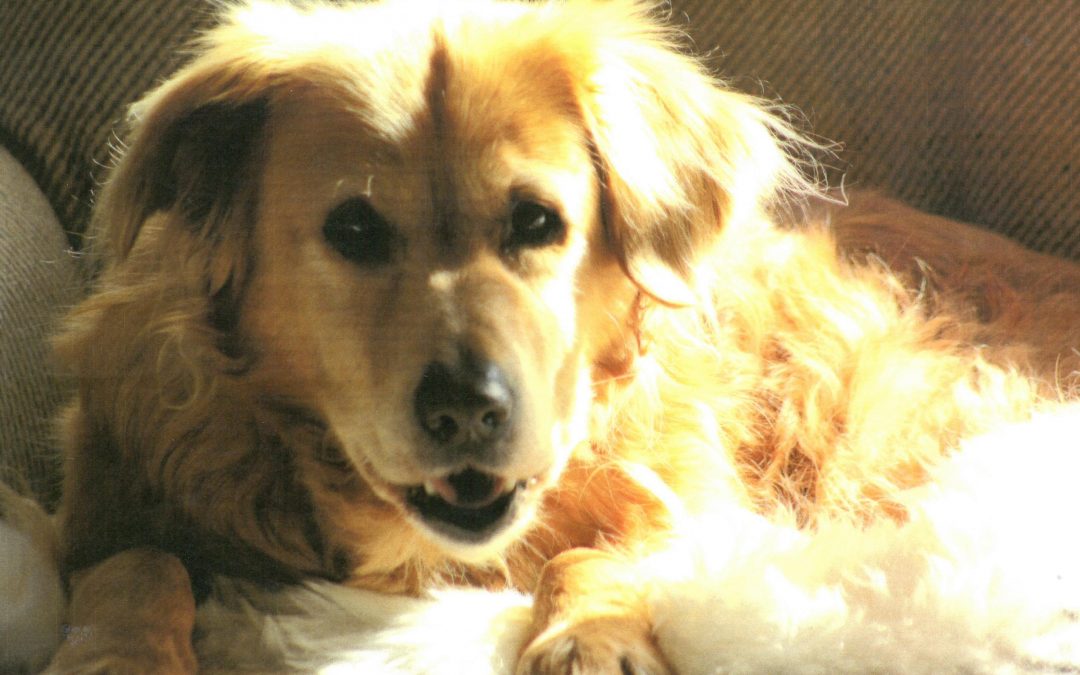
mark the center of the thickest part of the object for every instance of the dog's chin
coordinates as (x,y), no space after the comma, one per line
(470,513)
(472,530)
(493,505)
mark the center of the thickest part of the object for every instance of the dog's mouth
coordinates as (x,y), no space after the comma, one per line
(469,505)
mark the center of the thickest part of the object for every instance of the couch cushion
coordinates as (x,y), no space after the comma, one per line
(37,279)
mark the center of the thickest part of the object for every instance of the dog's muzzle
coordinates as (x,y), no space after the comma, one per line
(467,414)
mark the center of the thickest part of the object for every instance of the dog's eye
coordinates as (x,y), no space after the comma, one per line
(357,231)
(533,225)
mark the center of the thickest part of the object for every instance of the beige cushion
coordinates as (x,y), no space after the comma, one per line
(37,279)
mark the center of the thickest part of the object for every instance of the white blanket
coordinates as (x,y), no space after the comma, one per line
(984,578)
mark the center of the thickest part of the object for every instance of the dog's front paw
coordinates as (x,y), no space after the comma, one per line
(86,651)
(589,618)
(115,664)
(621,645)
(133,612)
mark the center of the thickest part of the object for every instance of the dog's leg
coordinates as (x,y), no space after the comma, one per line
(132,613)
(590,616)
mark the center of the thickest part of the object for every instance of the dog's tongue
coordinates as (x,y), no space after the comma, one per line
(468,488)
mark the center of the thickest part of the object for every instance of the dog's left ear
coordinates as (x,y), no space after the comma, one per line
(679,155)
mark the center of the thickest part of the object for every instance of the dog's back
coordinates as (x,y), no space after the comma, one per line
(1023,305)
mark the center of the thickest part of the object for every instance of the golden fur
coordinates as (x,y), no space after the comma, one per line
(245,392)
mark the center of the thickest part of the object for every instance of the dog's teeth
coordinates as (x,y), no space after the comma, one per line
(430,489)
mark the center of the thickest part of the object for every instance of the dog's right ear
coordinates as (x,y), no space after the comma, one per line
(192,145)
(192,154)
(196,165)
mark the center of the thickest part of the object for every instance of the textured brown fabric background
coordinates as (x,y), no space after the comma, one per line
(68,68)
(963,107)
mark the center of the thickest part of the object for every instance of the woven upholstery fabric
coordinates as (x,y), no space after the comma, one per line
(964,108)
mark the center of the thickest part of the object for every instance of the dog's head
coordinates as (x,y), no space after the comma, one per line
(429,227)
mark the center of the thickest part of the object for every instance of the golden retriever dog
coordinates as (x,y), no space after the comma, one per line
(405,294)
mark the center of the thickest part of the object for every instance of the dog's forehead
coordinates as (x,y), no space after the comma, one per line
(431,102)
(396,59)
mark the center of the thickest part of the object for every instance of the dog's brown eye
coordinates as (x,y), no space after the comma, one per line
(357,231)
(533,225)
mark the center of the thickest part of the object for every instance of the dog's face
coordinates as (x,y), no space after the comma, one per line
(420,276)
(429,228)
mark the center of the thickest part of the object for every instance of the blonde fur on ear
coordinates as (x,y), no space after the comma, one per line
(681,154)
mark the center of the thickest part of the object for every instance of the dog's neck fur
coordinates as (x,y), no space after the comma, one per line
(772,370)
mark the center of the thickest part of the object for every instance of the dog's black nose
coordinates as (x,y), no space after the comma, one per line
(469,405)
